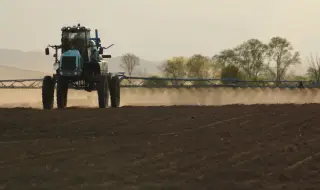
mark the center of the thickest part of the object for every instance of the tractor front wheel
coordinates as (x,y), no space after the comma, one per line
(103,92)
(115,92)
(62,92)
(47,92)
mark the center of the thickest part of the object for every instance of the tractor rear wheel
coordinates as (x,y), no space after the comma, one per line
(47,92)
(115,92)
(62,92)
(103,92)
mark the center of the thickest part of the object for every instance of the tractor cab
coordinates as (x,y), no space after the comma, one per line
(76,38)
(81,54)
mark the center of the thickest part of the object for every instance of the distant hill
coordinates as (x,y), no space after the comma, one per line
(35,61)
(31,64)
(7,73)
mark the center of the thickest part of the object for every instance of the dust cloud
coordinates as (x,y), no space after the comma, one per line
(166,97)
(219,96)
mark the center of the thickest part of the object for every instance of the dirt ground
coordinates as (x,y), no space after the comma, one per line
(177,147)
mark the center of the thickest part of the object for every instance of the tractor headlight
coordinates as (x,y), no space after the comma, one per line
(56,66)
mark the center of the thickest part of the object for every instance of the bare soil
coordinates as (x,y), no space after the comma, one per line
(177,147)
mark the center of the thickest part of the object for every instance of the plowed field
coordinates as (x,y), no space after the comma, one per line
(183,147)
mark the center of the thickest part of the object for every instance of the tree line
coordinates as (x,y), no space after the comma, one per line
(251,60)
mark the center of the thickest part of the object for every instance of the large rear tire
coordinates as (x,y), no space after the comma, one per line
(62,92)
(48,92)
(115,92)
(103,92)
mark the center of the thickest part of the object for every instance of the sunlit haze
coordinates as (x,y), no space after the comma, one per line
(159,29)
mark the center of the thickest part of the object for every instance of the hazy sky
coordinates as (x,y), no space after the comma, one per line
(158,29)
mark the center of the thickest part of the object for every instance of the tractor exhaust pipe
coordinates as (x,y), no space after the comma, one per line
(96,31)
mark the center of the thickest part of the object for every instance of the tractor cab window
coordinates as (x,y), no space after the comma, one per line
(73,40)
(88,35)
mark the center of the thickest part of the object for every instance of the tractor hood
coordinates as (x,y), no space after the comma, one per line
(74,53)
(70,64)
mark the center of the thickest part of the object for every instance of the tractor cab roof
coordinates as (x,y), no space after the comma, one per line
(77,28)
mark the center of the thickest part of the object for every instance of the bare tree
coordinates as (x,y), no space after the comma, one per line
(249,57)
(129,62)
(282,55)
(314,68)
(252,56)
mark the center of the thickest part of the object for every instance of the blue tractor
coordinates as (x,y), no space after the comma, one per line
(81,66)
